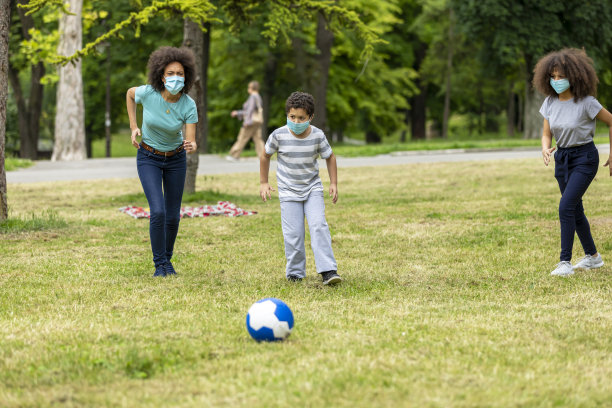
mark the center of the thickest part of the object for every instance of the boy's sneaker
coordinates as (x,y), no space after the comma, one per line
(564,268)
(294,278)
(590,262)
(330,278)
(169,269)
(160,271)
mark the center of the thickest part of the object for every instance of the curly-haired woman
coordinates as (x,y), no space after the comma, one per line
(570,110)
(161,159)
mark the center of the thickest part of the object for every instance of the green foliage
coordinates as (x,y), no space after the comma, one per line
(14,163)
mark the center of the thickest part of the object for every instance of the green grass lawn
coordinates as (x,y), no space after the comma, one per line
(13,163)
(447,298)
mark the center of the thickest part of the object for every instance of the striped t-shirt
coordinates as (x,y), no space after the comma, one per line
(297,170)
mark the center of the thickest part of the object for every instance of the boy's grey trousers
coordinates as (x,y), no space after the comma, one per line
(292,217)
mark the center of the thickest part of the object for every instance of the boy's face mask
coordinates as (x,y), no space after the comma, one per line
(297,128)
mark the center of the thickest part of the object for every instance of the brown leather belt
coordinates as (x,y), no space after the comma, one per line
(160,153)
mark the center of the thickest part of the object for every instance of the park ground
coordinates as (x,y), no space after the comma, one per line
(446,301)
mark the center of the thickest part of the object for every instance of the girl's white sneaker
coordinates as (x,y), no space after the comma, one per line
(590,262)
(564,268)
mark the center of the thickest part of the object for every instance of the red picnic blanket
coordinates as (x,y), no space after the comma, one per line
(222,208)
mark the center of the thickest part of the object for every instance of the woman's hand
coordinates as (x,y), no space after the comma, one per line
(608,163)
(546,153)
(190,147)
(333,192)
(265,191)
(135,132)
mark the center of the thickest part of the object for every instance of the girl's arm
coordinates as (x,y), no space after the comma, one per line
(546,142)
(264,169)
(189,143)
(332,169)
(130,101)
(606,117)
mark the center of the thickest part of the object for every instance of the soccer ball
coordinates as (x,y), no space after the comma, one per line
(269,319)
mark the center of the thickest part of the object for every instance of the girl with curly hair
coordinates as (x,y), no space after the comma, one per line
(161,159)
(568,79)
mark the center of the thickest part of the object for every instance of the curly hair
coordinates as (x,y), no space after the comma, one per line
(299,100)
(575,65)
(159,60)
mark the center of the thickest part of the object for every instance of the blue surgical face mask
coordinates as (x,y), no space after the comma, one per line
(297,128)
(174,84)
(560,85)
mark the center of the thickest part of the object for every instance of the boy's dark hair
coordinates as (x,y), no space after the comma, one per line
(299,100)
(159,60)
(575,65)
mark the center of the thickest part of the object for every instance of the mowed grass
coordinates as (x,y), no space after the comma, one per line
(446,301)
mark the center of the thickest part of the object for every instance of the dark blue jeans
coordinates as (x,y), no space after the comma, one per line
(575,169)
(163,180)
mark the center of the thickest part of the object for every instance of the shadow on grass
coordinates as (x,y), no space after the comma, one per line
(199,197)
(46,221)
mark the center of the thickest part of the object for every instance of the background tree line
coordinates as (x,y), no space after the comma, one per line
(439,59)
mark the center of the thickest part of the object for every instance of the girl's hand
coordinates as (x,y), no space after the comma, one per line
(190,147)
(135,132)
(608,162)
(546,153)
(265,191)
(333,192)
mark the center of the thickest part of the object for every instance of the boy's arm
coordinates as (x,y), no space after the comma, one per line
(264,169)
(332,169)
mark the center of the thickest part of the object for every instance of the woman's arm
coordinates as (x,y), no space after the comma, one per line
(606,117)
(546,142)
(189,143)
(264,169)
(130,101)
(332,169)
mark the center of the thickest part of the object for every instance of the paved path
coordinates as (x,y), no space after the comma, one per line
(44,171)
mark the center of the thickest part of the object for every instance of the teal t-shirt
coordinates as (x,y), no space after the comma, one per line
(162,122)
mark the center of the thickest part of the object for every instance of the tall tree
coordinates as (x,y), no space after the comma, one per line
(5,21)
(28,108)
(70,114)
(324,41)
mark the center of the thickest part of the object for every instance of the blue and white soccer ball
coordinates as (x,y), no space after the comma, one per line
(269,319)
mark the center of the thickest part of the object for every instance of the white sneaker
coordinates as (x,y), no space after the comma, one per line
(231,158)
(590,262)
(564,268)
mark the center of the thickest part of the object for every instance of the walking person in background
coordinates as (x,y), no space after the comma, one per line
(570,110)
(252,119)
(161,159)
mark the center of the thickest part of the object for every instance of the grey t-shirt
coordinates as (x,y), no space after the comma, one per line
(572,123)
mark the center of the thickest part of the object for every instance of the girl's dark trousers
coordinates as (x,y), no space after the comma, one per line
(575,168)
(163,180)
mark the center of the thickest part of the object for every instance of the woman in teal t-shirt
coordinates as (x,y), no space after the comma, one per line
(161,159)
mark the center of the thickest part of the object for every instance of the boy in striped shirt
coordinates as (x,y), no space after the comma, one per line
(300,191)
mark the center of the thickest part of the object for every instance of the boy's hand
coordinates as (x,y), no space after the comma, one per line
(265,191)
(608,163)
(333,192)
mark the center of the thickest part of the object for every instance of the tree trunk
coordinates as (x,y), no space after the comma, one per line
(511,113)
(449,70)
(28,110)
(193,39)
(531,116)
(107,111)
(5,22)
(268,90)
(70,116)
(203,136)
(325,41)
(418,103)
